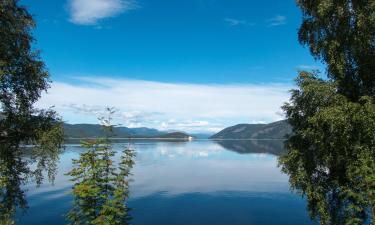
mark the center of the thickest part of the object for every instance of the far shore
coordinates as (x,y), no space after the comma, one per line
(213,139)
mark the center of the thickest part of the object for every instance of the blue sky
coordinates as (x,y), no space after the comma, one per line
(231,48)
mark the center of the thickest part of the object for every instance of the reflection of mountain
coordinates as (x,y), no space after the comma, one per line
(276,130)
(275,147)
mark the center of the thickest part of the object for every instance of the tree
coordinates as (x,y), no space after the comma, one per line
(341,34)
(101,189)
(331,154)
(23,78)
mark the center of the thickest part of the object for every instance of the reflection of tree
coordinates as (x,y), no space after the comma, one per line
(15,170)
(101,188)
(274,147)
(13,174)
(45,153)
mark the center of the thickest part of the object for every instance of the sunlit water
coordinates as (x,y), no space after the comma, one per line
(199,182)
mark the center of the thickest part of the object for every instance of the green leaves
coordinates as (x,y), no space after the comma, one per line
(341,34)
(331,154)
(22,79)
(101,187)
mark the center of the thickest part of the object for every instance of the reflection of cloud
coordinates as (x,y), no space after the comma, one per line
(88,12)
(175,168)
(277,20)
(203,167)
(186,152)
(205,107)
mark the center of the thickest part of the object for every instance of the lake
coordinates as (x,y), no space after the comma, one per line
(199,182)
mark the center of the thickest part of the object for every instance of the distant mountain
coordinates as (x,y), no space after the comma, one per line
(276,130)
(95,130)
(141,131)
(201,135)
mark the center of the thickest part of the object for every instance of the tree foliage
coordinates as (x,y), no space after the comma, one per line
(100,187)
(342,34)
(331,153)
(23,78)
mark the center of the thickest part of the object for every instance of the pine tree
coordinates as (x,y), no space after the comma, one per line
(101,188)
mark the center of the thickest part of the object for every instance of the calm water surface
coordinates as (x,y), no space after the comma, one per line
(199,182)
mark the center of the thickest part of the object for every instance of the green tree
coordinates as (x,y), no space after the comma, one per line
(341,34)
(101,188)
(23,78)
(331,154)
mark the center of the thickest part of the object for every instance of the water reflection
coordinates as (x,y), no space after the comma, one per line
(274,147)
(13,173)
(338,194)
(18,166)
(203,167)
(171,181)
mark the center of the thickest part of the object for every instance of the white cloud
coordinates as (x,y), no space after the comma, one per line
(192,125)
(277,20)
(236,22)
(307,67)
(188,107)
(89,12)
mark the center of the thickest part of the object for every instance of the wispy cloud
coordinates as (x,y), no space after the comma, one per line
(307,67)
(89,12)
(189,107)
(127,118)
(277,20)
(192,125)
(236,22)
